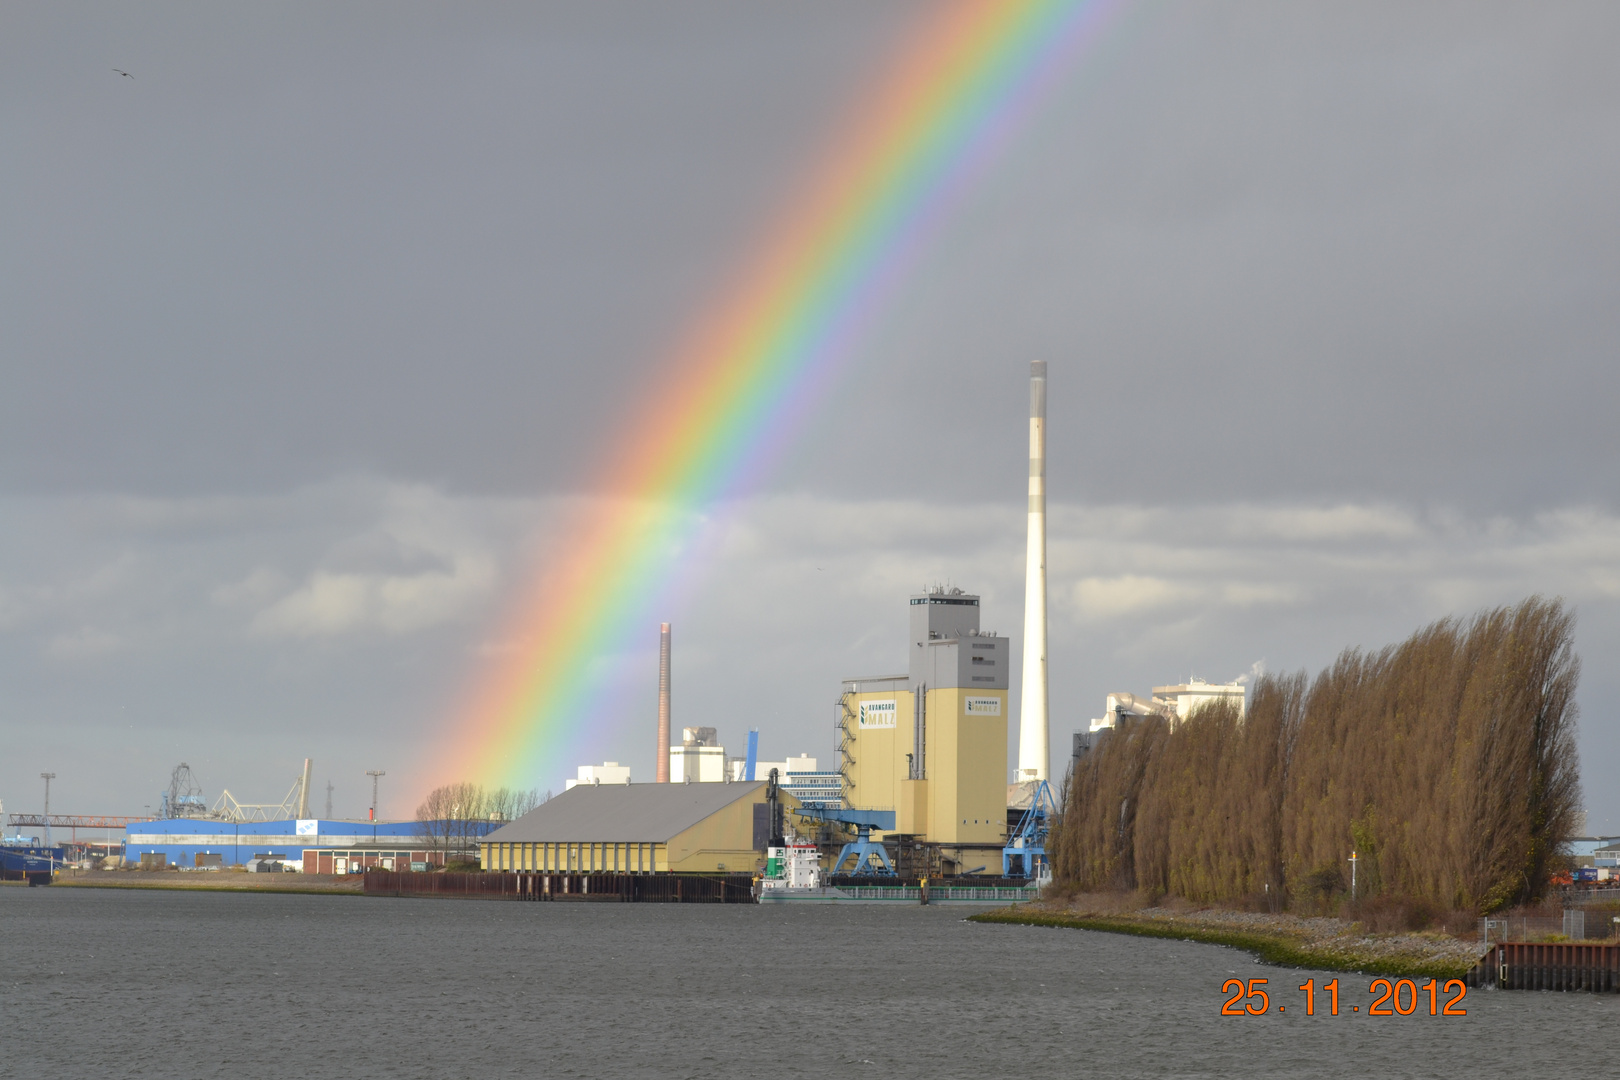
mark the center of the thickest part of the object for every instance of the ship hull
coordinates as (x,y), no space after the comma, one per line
(900,894)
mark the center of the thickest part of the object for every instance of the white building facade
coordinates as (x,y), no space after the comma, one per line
(609,772)
(1175,702)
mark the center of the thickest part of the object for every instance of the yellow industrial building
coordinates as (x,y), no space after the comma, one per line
(932,744)
(639,828)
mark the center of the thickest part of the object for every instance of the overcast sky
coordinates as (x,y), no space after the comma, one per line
(311,331)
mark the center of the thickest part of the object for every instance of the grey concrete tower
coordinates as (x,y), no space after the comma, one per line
(1034,730)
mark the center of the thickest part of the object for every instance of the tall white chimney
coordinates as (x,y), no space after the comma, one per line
(661,773)
(1034,739)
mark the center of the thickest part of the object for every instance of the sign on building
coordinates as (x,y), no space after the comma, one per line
(983,706)
(877,714)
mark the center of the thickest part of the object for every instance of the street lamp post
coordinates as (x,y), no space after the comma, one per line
(47,777)
(1352,877)
(374,774)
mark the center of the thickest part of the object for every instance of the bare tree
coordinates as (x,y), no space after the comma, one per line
(453,817)
(433,819)
(509,804)
(468,811)
(1447,763)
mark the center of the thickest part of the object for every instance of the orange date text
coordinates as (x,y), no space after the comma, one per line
(1401,997)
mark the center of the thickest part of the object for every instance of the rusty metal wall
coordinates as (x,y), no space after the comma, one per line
(1525,965)
(601,887)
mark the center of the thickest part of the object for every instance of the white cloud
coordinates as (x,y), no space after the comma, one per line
(85,642)
(328,604)
(253,591)
(1125,594)
(1096,598)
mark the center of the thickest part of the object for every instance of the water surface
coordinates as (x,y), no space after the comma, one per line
(102,983)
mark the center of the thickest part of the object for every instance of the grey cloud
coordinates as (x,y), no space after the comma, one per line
(221,638)
(1141,594)
(315,332)
(1273,251)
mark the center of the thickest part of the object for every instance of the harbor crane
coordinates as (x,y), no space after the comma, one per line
(869,855)
(1025,853)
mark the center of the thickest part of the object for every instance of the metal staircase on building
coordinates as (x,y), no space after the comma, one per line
(843,718)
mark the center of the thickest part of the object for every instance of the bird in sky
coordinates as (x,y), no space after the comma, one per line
(125,74)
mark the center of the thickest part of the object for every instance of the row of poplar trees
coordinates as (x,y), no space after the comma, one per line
(1446,763)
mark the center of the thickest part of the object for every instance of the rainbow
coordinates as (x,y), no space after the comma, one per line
(745,378)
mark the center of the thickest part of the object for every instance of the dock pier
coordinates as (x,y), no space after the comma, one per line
(1535,965)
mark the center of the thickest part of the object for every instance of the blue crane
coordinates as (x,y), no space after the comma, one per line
(1027,843)
(870,858)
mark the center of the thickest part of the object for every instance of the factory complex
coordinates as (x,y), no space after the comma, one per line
(920,783)
(917,788)
(922,768)
(294,844)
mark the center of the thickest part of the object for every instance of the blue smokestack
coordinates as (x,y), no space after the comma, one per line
(753,754)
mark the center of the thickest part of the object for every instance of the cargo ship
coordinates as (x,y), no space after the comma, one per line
(23,858)
(793,875)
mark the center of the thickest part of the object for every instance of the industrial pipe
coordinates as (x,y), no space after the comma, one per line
(1034,738)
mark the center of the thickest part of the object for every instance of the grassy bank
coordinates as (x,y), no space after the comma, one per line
(236,883)
(1410,955)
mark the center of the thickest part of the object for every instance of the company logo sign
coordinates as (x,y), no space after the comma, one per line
(308,828)
(983,706)
(878,714)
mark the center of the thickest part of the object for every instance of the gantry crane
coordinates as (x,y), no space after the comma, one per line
(1027,845)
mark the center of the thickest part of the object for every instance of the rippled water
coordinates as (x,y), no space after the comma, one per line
(164,984)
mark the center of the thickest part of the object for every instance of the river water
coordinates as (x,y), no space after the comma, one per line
(112,983)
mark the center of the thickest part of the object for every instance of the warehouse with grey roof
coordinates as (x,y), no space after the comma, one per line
(639,828)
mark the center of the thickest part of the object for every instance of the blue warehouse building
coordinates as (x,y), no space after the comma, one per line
(200,842)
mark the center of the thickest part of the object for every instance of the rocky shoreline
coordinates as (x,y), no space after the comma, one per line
(1286,940)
